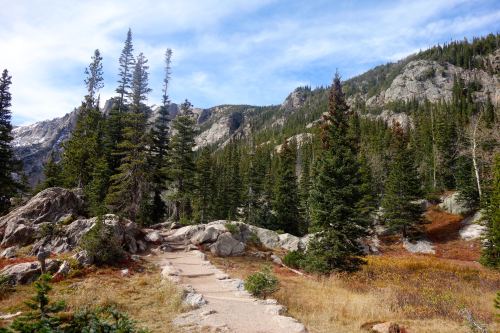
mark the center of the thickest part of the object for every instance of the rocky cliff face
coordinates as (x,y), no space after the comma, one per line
(34,143)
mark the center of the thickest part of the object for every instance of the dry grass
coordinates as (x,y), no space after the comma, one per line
(424,294)
(153,303)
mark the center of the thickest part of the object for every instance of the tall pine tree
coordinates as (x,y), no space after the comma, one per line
(182,166)
(126,69)
(491,251)
(160,146)
(336,194)
(8,163)
(286,197)
(402,187)
(129,191)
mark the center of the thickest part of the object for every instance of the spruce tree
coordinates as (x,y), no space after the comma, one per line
(491,251)
(52,172)
(160,146)
(336,194)
(402,188)
(286,198)
(182,166)
(8,163)
(129,190)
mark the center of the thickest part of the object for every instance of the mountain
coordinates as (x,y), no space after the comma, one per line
(376,94)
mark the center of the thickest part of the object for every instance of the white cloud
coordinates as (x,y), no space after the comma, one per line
(230,51)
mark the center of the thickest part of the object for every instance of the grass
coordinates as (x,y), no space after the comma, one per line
(153,303)
(422,293)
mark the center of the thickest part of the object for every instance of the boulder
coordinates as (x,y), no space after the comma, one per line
(17,234)
(473,228)
(419,246)
(226,246)
(82,258)
(63,269)
(451,204)
(28,272)
(387,327)
(9,252)
(268,238)
(277,260)
(289,242)
(153,237)
(185,233)
(209,235)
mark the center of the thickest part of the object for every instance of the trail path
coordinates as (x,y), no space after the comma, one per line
(227,308)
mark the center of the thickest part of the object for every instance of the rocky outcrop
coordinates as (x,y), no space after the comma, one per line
(28,272)
(431,80)
(296,99)
(20,226)
(226,246)
(451,203)
(419,246)
(473,227)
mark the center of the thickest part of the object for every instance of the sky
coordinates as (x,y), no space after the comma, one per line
(224,51)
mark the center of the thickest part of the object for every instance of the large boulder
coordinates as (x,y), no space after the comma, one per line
(208,235)
(289,242)
(419,246)
(451,204)
(473,227)
(68,237)
(268,238)
(28,272)
(226,246)
(50,205)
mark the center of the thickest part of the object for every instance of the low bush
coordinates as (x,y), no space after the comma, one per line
(233,228)
(5,285)
(262,284)
(294,259)
(102,245)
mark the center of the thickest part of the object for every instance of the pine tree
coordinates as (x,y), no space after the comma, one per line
(83,149)
(8,163)
(129,191)
(336,194)
(204,186)
(182,166)
(286,198)
(160,146)
(127,63)
(491,251)
(402,188)
(52,172)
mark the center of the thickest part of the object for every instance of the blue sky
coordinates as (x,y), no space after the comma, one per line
(224,51)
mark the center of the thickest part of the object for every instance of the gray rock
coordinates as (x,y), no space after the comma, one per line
(83,258)
(268,238)
(208,235)
(153,237)
(226,246)
(28,272)
(289,242)
(473,227)
(9,252)
(277,260)
(419,246)
(17,234)
(63,269)
(451,204)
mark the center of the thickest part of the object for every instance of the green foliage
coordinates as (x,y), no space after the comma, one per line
(45,316)
(101,244)
(6,285)
(402,188)
(491,251)
(52,171)
(262,284)
(286,198)
(233,228)
(8,163)
(337,194)
(294,259)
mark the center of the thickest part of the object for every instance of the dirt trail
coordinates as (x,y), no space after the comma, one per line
(228,307)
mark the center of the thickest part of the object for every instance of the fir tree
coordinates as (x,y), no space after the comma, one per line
(402,188)
(52,172)
(286,198)
(160,146)
(336,194)
(182,166)
(129,192)
(491,251)
(8,163)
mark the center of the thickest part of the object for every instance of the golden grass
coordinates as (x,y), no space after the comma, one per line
(422,293)
(153,303)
